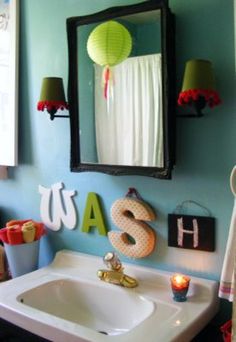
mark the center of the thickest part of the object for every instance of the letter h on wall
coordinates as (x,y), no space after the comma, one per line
(182,231)
(191,232)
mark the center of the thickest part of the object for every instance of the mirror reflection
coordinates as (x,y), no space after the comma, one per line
(122,106)
(125,125)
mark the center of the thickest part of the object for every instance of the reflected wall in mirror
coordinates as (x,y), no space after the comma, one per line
(129,128)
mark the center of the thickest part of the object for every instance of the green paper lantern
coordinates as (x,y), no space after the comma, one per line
(109,43)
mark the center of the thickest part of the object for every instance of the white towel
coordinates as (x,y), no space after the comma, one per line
(227,283)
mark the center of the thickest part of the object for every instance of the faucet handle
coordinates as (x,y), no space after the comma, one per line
(112,261)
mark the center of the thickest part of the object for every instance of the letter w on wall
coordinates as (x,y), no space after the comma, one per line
(57,207)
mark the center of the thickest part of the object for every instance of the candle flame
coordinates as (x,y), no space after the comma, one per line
(180,280)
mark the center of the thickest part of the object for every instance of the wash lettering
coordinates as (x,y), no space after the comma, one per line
(137,239)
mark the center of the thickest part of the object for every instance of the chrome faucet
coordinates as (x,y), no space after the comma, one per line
(115,274)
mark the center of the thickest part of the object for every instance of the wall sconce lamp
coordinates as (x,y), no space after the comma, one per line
(52,97)
(198,88)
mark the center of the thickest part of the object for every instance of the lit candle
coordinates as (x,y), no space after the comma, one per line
(179,281)
(179,285)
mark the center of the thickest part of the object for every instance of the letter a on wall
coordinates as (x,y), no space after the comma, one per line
(128,214)
(93,215)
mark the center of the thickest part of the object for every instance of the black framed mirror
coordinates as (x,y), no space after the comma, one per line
(132,130)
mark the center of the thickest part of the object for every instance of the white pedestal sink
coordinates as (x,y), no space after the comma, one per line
(110,311)
(67,302)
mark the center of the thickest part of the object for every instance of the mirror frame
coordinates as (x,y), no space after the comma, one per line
(168,93)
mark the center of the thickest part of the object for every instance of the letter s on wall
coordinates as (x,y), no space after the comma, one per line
(128,214)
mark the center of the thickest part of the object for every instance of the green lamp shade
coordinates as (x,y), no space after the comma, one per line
(52,89)
(198,75)
(109,43)
(199,85)
(52,94)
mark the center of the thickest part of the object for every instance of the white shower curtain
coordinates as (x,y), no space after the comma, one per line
(129,126)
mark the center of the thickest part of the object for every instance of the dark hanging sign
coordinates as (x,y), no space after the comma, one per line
(191,232)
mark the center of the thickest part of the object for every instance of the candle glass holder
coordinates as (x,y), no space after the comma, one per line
(179,286)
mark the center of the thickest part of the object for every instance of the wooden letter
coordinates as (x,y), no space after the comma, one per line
(93,215)
(128,214)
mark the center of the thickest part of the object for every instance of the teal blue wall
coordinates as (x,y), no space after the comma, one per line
(148,38)
(205,147)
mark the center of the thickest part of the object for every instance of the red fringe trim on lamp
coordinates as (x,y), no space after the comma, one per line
(188,96)
(52,105)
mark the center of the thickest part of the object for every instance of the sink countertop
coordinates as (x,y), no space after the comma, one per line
(181,323)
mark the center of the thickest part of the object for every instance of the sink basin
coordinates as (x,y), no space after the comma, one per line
(66,301)
(107,310)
